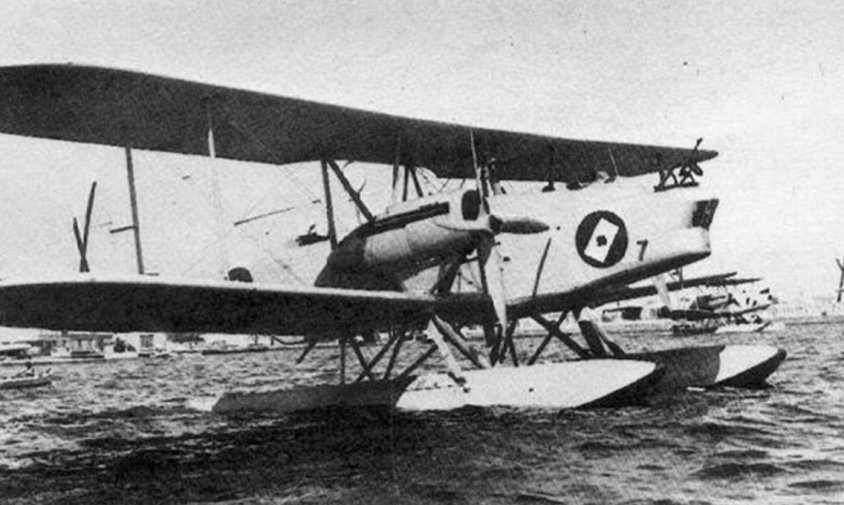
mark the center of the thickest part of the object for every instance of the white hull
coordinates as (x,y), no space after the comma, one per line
(557,386)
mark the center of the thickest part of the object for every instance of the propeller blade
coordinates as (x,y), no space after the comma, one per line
(489,261)
(518,225)
(483,224)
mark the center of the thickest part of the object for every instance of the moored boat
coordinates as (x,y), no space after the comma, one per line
(26,381)
(232,349)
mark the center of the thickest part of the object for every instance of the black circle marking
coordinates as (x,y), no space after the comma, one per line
(593,239)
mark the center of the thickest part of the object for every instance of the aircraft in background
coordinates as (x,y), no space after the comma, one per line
(713,304)
(536,253)
(702,305)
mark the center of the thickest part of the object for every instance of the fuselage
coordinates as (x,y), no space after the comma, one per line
(588,239)
(600,236)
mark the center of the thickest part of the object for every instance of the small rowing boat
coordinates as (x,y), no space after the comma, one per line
(26,381)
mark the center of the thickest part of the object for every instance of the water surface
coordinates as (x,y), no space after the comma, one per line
(142,432)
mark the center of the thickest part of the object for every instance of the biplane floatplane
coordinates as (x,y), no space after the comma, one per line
(550,252)
(699,307)
(704,312)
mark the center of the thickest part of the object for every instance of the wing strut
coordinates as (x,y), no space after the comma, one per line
(410,173)
(329,209)
(540,268)
(396,167)
(133,202)
(351,191)
(82,238)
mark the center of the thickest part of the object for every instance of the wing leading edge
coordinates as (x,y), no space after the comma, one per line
(89,303)
(130,109)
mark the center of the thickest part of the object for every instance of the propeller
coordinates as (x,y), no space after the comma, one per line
(492,282)
(489,258)
(479,219)
(82,237)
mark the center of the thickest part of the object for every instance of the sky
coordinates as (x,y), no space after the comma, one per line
(760,82)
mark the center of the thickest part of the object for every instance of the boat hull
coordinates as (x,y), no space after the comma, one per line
(26,382)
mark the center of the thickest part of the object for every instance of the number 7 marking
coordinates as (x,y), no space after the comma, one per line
(643,245)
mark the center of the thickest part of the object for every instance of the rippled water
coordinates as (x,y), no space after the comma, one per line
(141,432)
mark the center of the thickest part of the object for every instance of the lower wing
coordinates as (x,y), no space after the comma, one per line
(154,304)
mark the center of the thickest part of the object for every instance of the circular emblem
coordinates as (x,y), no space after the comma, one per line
(601,239)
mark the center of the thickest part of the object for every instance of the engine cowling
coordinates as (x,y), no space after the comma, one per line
(415,235)
(411,236)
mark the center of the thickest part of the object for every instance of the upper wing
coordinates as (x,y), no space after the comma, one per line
(94,303)
(129,109)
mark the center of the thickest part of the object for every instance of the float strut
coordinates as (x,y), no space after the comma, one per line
(367,371)
(416,364)
(364,365)
(342,360)
(394,356)
(308,349)
(450,363)
(541,348)
(555,330)
(454,338)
